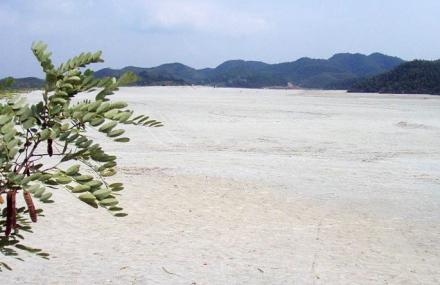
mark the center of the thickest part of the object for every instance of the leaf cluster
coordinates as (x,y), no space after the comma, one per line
(46,146)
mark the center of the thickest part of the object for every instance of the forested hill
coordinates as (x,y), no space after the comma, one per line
(330,73)
(24,83)
(415,77)
(337,72)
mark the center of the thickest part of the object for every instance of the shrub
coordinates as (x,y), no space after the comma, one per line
(46,146)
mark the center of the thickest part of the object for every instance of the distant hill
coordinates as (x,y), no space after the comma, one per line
(339,71)
(415,77)
(25,83)
(328,74)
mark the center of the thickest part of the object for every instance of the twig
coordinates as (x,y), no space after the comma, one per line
(171,273)
(90,166)
(29,156)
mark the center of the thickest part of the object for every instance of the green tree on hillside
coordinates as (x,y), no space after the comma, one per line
(4,85)
(414,77)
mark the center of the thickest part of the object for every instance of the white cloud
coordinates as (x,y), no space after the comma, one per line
(206,32)
(195,16)
(199,16)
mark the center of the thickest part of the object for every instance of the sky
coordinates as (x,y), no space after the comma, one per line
(204,33)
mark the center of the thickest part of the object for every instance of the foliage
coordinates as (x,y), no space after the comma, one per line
(415,77)
(45,146)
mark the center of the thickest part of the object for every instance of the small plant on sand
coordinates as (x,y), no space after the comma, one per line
(46,146)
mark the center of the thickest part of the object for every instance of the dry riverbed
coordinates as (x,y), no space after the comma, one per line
(258,187)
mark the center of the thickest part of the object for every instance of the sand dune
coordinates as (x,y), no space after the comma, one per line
(258,187)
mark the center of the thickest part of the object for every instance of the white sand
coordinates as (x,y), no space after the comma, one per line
(258,187)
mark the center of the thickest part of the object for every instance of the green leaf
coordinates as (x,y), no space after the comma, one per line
(35,176)
(64,127)
(39,192)
(64,135)
(117,189)
(103,107)
(72,138)
(2,264)
(89,199)
(45,177)
(109,202)
(45,196)
(93,106)
(74,78)
(9,127)
(115,208)
(13,143)
(109,164)
(85,144)
(72,170)
(115,133)
(80,188)
(63,180)
(44,135)
(29,123)
(123,117)
(122,140)
(80,140)
(108,172)
(94,184)
(54,133)
(4,119)
(101,157)
(10,135)
(110,114)
(83,178)
(107,127)
(114,185)
(50,182)
(97,121)
(26,180)
(78,115)
(102,193)
(27,248)
(33,188)
(118,105)
(88,117)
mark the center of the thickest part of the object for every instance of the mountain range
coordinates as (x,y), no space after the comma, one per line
(333,73)
(340,71)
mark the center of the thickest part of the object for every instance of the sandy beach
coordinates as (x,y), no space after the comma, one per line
(257,187)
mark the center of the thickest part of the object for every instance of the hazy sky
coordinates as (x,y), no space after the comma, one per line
(204,33)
